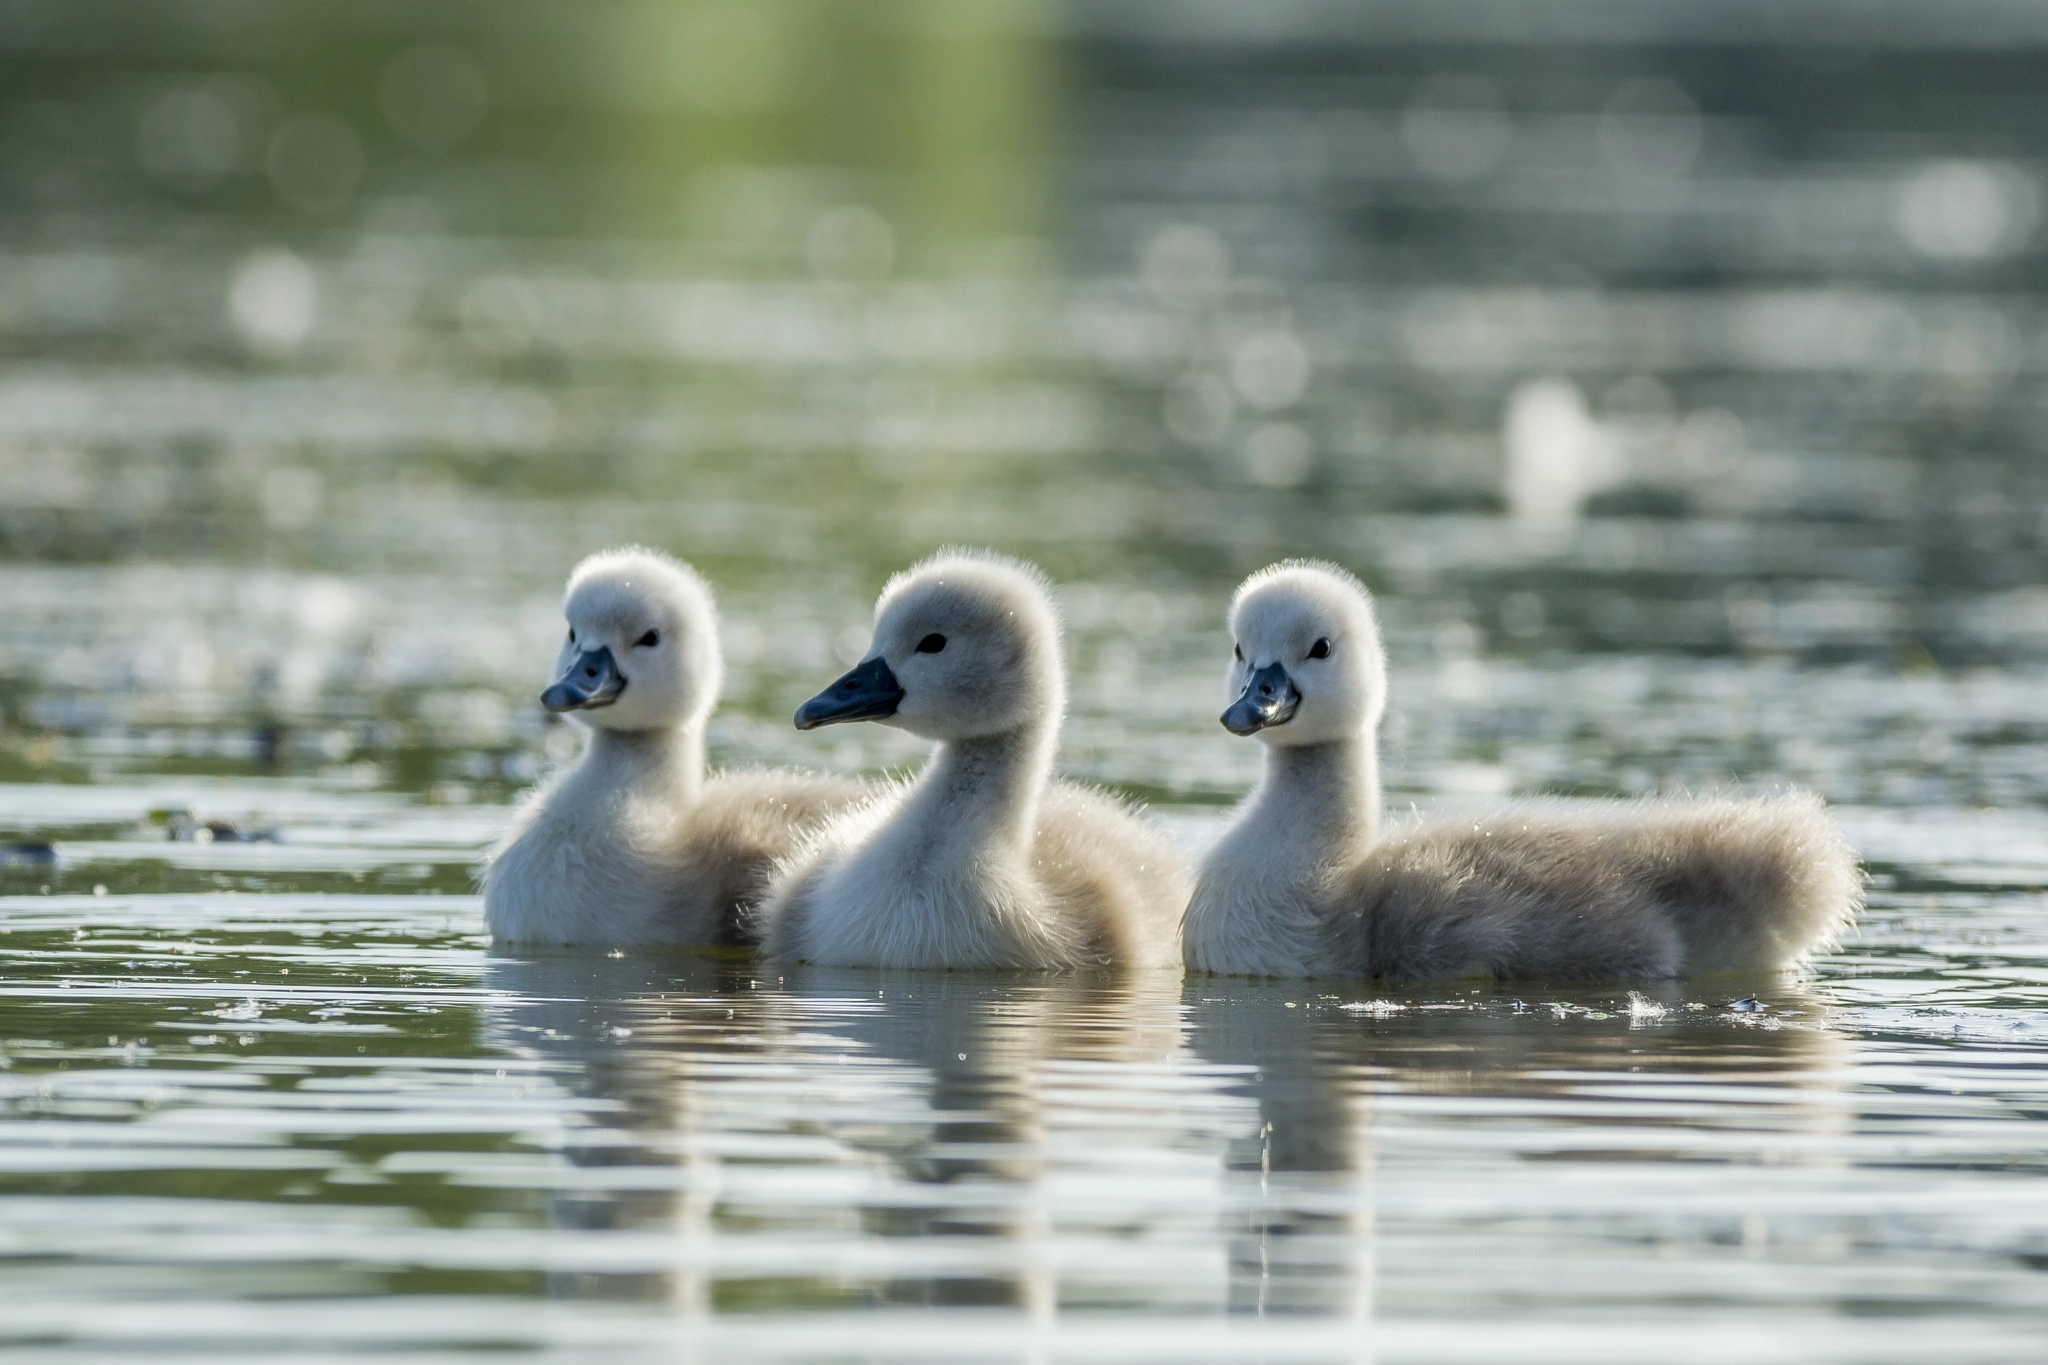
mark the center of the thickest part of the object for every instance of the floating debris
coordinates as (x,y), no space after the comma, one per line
(183,827)
(1377,1009)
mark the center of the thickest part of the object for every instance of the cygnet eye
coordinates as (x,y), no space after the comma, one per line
(931,644)
(1320,649)
(648,641)
(572,635)
(1238,650)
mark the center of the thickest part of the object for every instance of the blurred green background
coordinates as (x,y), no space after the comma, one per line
(1671,370)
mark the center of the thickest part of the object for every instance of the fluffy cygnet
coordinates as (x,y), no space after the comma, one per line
(1304,883)
(982,860)
(631,844)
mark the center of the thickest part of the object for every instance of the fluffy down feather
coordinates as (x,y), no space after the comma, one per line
(630,844)
(982,860)
(1678,888)
(623,865)
(1304,882)
(1096,886)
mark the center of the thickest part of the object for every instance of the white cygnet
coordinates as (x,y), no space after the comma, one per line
(983,860)
(631,844)
(1305,884)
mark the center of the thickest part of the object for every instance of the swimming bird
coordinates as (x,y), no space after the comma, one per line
(631,844)
(1305,883)
(982,860)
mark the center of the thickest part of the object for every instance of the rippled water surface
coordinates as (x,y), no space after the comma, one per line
(1676,387)
(268,1097)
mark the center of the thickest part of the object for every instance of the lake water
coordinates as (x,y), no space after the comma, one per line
(1678,392)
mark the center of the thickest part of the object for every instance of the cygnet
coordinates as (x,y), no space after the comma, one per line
(982,860)
(631,844)
(1304,883)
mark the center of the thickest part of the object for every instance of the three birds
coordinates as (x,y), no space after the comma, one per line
(985,860)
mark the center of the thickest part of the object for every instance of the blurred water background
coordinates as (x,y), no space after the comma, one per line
(1672,371)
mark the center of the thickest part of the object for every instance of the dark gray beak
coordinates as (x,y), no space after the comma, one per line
(869,692)
(1269,699)
(591,680)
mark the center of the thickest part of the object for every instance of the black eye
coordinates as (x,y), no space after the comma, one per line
(648,641)
(931,644)
(572,635)
(1320,649)
(1238,650)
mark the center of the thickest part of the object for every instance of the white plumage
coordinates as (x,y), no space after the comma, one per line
(631,844)
(982,860)
(1304,882)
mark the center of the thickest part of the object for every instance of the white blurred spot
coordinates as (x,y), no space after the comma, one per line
(1457,128)
(1963,210)
(274,301)
(1472,779)
(851,245)
(1456,642)
(315,162)
(326,606)
(1184,263)
(1270,369)
(1556,454)
(1279,455)
(1650,129)
(189,139)
(434,96)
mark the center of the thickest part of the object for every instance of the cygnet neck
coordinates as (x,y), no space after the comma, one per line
(672,758)
(1327,796)
(985,790)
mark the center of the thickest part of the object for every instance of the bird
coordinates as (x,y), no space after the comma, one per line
(632,844)
(983,860)
(1304,882)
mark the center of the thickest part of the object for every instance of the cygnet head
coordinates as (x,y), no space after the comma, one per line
(642,650)
(966,644)
(1307,666)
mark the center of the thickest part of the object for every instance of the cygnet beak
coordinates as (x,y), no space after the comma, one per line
(869,692)
(1269,699)
(591,680)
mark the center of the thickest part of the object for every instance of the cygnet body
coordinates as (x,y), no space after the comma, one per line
(1304,883)
(632,844)
(982,860)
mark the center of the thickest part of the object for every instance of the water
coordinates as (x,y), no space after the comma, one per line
(243,1117)
(1676,389)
